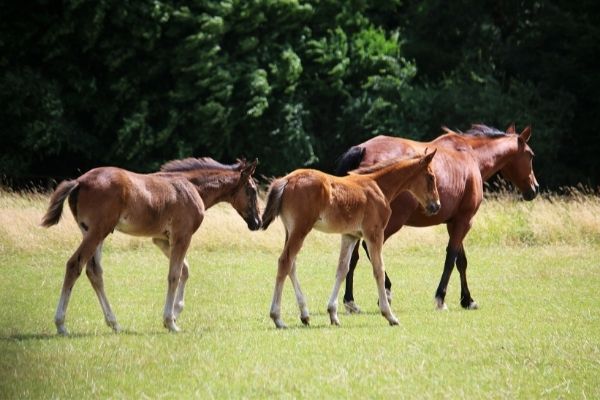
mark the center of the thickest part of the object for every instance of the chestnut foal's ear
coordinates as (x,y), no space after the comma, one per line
(511,128)
(526,134)
(428,157)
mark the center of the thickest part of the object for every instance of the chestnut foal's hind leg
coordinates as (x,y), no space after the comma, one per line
(84,252)
(94,274)
(293,244)
(163,245)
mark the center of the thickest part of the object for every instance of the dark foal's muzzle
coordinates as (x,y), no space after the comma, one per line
(254,223)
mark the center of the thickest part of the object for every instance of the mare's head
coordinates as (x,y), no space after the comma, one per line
(423,185)
(244,199)
(519,169)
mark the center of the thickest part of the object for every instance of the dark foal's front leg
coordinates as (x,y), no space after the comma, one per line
(466,301)
(440,293)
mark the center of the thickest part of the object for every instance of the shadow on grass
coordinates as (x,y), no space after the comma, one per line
(22,337)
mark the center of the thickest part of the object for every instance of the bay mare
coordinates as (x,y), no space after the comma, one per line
(167,206)
(463,162)
(356,206)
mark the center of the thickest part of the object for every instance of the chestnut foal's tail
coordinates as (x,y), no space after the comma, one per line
(273,202)
(57,199)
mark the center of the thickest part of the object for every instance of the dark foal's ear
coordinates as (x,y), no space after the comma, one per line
(249,169)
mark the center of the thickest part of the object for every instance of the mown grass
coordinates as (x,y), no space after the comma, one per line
(534,268)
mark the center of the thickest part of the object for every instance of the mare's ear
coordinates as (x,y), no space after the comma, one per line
(511,128)
(249,169)
(526,134)
(428,157)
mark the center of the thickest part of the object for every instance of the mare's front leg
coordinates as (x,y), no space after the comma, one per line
(163,245)
(375,245)
(177,250)
(346,250)
(349,304)
(293,244)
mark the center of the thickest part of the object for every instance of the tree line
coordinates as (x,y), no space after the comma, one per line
(294,83)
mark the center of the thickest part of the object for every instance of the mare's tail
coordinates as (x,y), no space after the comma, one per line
(350,160)
(57,199)
(273,206)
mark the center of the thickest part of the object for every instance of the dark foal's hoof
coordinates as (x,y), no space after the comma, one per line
(305,321)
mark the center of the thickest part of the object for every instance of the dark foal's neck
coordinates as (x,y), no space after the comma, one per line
(492,154)
(214,186)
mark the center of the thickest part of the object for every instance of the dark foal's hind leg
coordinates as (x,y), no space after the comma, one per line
(466,301)
(440,293)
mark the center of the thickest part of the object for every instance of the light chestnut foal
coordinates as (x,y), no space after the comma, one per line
(167,206)
(357,206)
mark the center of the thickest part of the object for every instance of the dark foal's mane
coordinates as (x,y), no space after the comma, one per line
(480,130)
(192,164)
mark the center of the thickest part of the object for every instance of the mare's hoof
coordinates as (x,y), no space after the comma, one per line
(351,307)
(440,305)
(305,320)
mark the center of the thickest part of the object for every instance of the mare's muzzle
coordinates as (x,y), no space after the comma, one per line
(532,193)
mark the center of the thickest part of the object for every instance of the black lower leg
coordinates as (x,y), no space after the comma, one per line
(448,266)
(348,293)
(465,295)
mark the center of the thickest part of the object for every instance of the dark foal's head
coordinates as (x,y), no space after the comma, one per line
(245,197)
(519,169)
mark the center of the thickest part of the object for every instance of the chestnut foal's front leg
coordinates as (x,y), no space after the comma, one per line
(348,244)
(163,245)
(177,250)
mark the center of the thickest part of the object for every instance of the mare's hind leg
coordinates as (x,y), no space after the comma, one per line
(178,248)
(466,301)
(293,244)
(163,245)
(94,274)
(346,250)
(457,231)
(73,269)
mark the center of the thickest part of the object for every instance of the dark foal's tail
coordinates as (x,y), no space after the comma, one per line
(273,206)
(350,160)
(57,199)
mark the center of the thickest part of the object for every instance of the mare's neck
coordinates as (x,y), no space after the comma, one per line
(392,180)
(215,187)
(492,154)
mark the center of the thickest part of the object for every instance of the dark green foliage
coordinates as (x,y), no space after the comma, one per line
(294,83)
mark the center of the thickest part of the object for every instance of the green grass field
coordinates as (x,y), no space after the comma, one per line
(534,269)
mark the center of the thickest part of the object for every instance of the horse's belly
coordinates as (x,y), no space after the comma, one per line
(326,225)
